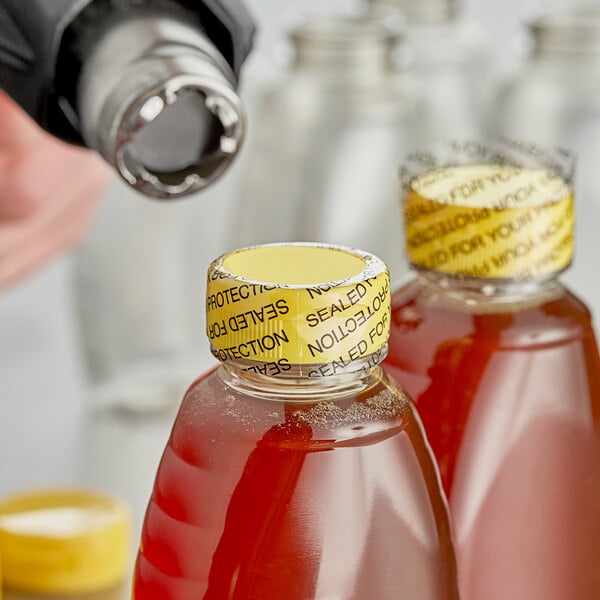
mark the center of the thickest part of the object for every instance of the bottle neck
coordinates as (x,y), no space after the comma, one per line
(423,12)
(314,383)
(478,291)
(344,48)
(570,35)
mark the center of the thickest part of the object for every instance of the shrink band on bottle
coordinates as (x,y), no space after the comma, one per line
(299,304)
(490,221)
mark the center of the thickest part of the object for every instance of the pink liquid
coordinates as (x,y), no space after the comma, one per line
(259,499)
(510,401)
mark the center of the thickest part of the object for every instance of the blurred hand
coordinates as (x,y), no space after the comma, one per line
(48,191)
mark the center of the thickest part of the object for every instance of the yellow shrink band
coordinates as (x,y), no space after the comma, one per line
(490,221)
(64,542)
(298,304)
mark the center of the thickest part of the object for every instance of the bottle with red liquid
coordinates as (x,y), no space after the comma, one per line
(297,469)
(501,360)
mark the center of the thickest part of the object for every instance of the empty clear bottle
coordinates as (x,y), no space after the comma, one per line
(448,55)
(137,285)
(297,469)
(327,138)
(133,280)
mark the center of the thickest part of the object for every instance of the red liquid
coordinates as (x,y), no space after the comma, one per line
(510,401)
(256,499)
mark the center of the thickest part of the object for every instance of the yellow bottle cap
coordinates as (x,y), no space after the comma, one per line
(278,307)
(490,221)
(63,542)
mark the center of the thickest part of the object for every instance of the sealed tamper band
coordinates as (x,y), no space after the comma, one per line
(66,541)
(490,220)
(289,305)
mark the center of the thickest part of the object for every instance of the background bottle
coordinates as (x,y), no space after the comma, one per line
(448,56)
(134,280)
(503,365)
(330,133)
(297,469)
(553,99)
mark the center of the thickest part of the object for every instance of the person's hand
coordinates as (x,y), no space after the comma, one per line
(48,191)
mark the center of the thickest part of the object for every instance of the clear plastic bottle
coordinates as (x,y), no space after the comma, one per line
(327,138)
(554,99)
(297,469)
(503,365)
(133,278)
(448,55)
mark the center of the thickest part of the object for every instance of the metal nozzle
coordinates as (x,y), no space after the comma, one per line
(157,101)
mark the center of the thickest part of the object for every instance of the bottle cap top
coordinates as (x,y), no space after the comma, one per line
(498,221)
(63,541)
(299,304)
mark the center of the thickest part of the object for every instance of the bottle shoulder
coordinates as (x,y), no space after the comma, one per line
(394,91)
(213,408)
(557,315)
(520,92)
(457,39)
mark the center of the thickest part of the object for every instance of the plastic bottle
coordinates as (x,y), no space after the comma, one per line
(132,291)
(297,469)
(503,365)
(448,55)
